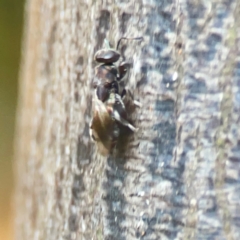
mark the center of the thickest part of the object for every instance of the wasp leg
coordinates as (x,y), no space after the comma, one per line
(119,113)
(137,103)
(124,122)
(123,68)
(127,93)
(124,92)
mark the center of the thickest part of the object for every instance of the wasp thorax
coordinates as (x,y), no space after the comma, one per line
(105,79)
(107,56)
(108,72)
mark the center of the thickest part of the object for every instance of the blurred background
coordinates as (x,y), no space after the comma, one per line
(11,23)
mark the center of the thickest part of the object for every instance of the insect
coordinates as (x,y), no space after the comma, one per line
(110,116)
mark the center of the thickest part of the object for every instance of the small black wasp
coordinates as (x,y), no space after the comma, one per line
(110,114)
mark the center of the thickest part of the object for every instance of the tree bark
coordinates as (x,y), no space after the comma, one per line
(179,176)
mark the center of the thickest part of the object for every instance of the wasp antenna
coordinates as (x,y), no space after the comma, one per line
(125,38)
(107,43)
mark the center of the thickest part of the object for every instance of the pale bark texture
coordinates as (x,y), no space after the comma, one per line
(179,176)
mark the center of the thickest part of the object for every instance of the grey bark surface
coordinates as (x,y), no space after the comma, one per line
(179,176)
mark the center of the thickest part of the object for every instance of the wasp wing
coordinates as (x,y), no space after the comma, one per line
(103,128)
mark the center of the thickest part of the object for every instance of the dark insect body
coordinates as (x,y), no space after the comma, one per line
(110,114)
